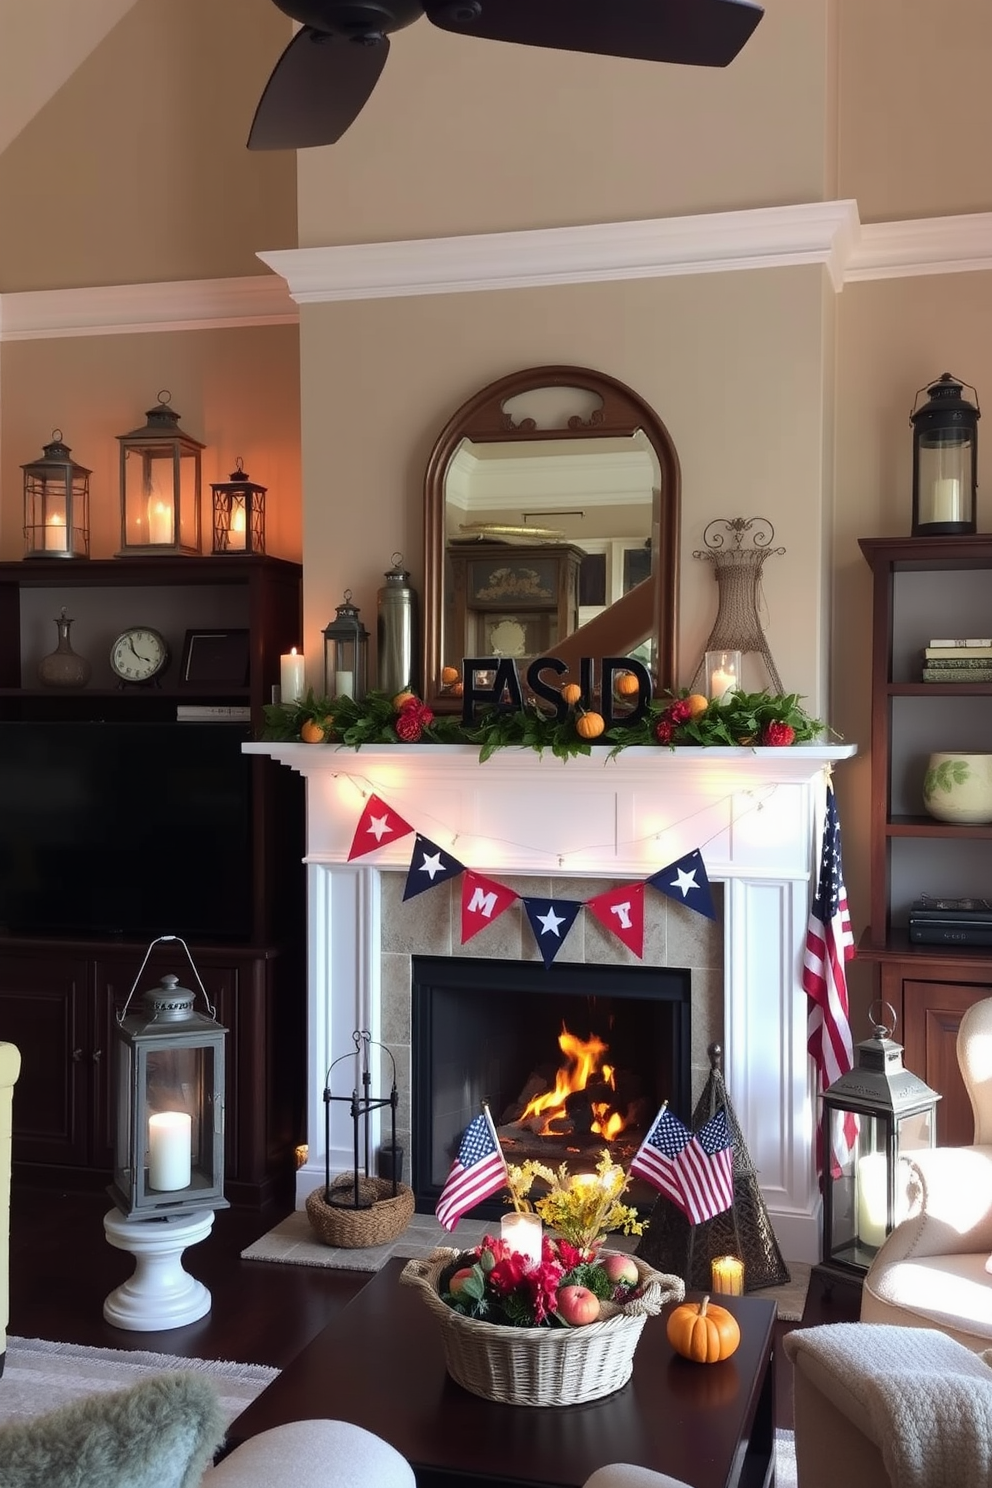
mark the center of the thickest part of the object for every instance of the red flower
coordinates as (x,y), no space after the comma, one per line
(663,730)
(414,708)
(679,711)
(777,734)
(408,727)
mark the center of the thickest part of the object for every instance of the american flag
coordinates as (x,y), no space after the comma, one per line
(829,945)
(695,1171)
(478,1171)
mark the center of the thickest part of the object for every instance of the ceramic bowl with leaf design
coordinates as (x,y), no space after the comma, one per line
(957,787)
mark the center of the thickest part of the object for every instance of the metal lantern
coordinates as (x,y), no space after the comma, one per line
(872,1116)
(169,1091)
(56,504)
(346,649)
(396,630)
(160,486)
(945,460)
(239,514)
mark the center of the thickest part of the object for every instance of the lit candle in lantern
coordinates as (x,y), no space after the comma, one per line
(345,684)
(236,536)
(292,676)
(872,1182)
(55,535)
(947,500)
(169,1150)
(159,521)
(523,1234)
(727,1275)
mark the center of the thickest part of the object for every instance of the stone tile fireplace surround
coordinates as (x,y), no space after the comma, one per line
(543,827)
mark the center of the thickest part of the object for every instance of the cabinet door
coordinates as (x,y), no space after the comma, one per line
(932,1013)
(44,1010)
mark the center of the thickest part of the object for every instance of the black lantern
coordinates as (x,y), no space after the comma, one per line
(160,486)
(169,1090)
(56,504)
(945,460)
(872,1116)
(239,514)
(346,648)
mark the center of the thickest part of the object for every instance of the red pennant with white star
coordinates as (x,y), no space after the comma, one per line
(378,825)
(622,911)
(483,900)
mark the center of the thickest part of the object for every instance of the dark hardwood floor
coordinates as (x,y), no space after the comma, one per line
(62,1269)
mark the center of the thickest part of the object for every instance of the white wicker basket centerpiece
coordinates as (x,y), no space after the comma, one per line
(548,1365)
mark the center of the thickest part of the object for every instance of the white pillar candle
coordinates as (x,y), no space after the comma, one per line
(523,1234)
(159,521)
(55,535)
(872,1185)
(169,1148)
(727,1275)
(947,500)
(292,676)
(344,684)
(236,536)
(723,671)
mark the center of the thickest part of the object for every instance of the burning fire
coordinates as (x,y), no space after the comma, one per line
(584,1060)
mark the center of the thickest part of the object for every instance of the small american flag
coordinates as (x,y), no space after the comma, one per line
(695,1171)
(478,1171)
(829,945)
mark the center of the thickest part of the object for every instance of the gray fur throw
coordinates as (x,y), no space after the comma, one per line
(161,1433)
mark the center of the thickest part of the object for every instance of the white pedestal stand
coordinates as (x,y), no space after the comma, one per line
(160,1294)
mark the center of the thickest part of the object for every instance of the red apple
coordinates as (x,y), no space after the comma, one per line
(577,1305)
(620,1268)
(459,1279)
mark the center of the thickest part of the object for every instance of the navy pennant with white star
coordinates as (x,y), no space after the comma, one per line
(429,866)
(686,881)
(551,920)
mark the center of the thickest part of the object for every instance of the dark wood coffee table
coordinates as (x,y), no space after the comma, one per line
(380,1364)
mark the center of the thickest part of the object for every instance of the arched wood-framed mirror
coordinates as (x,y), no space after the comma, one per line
(551,528)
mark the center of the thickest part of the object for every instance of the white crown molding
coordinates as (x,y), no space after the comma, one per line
(826,233)
(715,242)
(125,309)
(934,245)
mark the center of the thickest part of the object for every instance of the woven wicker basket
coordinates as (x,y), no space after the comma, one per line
(386,1216)
(542,1366)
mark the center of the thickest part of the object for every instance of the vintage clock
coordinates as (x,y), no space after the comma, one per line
(139,654)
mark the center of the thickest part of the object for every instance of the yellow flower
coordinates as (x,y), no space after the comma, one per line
(581,1207)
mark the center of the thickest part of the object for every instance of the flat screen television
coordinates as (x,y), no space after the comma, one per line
(121,830)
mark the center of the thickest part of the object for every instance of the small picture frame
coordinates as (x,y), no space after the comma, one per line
(215,658)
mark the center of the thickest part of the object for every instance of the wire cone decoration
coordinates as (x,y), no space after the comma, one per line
(737,570)
(670,1243)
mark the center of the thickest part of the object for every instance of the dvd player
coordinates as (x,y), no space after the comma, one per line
(964,922)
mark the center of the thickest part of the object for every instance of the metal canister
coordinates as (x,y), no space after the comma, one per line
(397,630)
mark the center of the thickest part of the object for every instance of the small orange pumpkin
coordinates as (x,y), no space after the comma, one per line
(311,732)
(696,703)
(571,693)
(590,725)
(449,674)
(627,684)
(703,1332)
(402,697)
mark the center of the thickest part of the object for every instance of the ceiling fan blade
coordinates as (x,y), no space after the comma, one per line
(702,33)
(317,89)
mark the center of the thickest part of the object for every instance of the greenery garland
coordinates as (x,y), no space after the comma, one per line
(745,719)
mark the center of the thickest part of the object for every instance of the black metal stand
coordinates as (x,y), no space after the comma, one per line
(362,1106)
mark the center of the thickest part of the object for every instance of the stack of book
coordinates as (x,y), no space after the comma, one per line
(966,660)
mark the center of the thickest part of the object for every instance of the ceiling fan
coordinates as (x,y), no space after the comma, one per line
(326,75)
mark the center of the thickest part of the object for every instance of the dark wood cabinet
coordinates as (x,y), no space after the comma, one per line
(60,993)
(923,588)
(510,600)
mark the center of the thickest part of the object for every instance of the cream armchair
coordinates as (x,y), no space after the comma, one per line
(10,1068)
(931,1271)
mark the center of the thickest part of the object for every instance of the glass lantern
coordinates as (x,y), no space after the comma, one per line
(239,514)
(56,504)
(169,1093)
(872,1117)
(160,486)
(945,460)
(346,647)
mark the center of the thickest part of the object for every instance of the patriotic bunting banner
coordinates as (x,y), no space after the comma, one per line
(483,900)
(687,882)
(622,911)
(378,824)
(551,920)
(429,866)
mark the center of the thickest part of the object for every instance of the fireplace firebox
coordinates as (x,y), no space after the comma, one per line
(503,1031)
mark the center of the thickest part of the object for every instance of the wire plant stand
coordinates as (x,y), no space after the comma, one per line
(737,547)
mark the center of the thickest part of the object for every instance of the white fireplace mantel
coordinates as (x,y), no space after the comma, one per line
(754,814)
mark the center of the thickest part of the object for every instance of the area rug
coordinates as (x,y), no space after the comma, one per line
(293,1243)
(39,1376)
